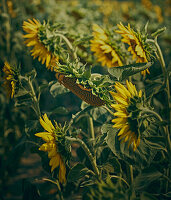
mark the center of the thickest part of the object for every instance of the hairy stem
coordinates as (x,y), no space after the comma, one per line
(34,98)
(88,153)
(68,44)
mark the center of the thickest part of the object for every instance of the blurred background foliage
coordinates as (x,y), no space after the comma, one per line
(77,17)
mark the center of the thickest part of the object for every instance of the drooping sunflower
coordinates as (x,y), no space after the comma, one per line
(127,100)
(104,51)
(55,146)
(40,51)
(11,79)
(137,44)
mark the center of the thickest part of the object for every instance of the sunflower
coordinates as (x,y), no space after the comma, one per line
(56,152)
(104,51)
(11,79)
(136,43)
(127,113)
(147,4)
(40,51)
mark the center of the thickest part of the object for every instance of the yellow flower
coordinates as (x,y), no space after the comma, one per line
(136,46)
(147,4)
(10,9)
(126,113)
(11,79)
(105,53)
(39,50)
(51,146)
(158,12)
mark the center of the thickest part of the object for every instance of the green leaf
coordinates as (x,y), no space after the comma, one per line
(144,179)
(21,93)
(141,158)
(87,73)
(99,114)
(158,32)
(61,111)
(122,73)
(101,81)
(58,89)
(156,142)
(77,172)
(147,196)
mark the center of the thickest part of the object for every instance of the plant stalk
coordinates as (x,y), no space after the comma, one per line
(87,151)
(68,44)
(34,98)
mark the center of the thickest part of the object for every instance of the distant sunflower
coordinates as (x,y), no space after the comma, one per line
(11,79)
(105,53)
(32,27)
(136,43)
(127,113)
(56,152)
(147,4)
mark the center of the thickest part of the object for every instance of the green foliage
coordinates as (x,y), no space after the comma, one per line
(98,165)
(122,73)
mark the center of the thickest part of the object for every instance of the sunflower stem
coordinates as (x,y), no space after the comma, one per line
(58,186)
(91,128)
(34,98)
(87,151)
(112,113)
(68,44)
(130,173)
(165,74)
(118,177)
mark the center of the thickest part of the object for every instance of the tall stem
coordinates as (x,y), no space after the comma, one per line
(68,44)
(91,127)
(166,76)
(87,151)
(34,98)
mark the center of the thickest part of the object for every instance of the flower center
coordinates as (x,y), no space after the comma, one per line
(133,113)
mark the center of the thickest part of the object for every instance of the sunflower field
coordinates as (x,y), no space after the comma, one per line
(85,105)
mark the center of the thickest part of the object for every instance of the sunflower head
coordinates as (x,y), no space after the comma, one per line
(138,45)
(11,79)
(40,37)
(55,144)
(107,52)
(128,106)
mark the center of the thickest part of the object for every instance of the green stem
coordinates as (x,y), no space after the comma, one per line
(58,186)
(130,173)
(112,113)
(165,74)
(34,98)
(87,151)
(118,177)
(91,127)
(78,114)
(68,44)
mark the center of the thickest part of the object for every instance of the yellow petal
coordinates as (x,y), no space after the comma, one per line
(123,130)
(47,137)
